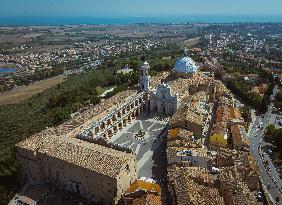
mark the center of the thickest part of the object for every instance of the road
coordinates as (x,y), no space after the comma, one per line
(256,143)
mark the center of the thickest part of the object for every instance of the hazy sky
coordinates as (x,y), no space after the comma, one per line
(110,8)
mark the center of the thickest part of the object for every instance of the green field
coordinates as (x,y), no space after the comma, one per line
(24,92)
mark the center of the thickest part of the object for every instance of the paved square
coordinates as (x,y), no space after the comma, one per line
(144,145)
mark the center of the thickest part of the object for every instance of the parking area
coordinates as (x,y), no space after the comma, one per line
(276,120)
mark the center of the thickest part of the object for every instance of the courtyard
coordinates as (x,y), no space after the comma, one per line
(145,136)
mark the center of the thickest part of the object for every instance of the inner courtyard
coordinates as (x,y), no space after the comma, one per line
(145,136)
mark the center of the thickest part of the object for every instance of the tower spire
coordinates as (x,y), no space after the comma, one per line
(185,51)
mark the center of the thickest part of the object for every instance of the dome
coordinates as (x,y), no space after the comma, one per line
(185,65)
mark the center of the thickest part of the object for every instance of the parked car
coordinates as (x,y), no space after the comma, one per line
(259,196)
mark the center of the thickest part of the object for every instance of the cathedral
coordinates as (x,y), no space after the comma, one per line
(161,100)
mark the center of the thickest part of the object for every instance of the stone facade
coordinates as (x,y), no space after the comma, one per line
(99,180)
(116,119)
(162,101)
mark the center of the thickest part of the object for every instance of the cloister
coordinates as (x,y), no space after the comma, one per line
(114,121)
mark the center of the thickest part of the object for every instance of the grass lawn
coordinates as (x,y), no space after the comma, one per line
(101,90)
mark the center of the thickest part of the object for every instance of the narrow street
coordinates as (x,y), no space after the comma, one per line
(268,174)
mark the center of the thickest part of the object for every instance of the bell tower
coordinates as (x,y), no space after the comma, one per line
(185,52)
(144,81)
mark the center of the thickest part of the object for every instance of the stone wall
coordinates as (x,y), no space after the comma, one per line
(124,182)
(41,168)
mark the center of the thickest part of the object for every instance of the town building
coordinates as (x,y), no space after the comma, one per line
(235,191)
(143,191)
(192,113)
(239,137)
(227,120)
(220,135)
(74,165)
(243,161)
(192,185)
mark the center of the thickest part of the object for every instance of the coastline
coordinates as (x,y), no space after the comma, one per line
(213,19)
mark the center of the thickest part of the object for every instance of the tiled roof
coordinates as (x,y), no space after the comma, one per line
(239,135)
(193,185)
(144,185)
(190,110)
(91,156)
(235,190)
(148,199)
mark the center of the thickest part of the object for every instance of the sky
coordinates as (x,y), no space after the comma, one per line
(137,8)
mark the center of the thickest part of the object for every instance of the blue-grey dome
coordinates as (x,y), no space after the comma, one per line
(185,65)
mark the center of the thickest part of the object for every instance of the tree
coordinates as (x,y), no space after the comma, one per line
(246,114)
(60,117)
(278,105)
(270,129)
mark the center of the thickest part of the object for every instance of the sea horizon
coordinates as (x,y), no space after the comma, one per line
(224,19)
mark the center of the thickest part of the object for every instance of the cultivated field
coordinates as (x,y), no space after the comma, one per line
(24,92)
(191,42)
